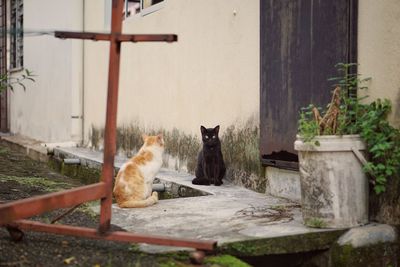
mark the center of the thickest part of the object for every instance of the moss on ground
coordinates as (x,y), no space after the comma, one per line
(225,261)
(181,259)
(3,150)
(174,259)
(44,184)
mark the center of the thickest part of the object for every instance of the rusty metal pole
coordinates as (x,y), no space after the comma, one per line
(111,115)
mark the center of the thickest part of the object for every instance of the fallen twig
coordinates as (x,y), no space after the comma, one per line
(64,214)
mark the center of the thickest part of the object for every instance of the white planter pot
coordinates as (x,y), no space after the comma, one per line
(334,188)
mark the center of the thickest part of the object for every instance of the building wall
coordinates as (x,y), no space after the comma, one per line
(210,76)
(44,110)
(379,50)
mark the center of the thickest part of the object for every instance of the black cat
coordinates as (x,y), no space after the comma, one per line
(210,163)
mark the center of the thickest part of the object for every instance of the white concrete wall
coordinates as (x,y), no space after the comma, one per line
(44,111)
(283,183)
(379,50)
(210,76)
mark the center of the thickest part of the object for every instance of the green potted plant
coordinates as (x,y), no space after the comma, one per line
(333,143)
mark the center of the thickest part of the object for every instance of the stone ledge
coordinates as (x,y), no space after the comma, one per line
(31,147)
(370,245)
(299,243)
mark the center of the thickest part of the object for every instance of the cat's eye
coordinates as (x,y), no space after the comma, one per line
(206,137)
(213,136)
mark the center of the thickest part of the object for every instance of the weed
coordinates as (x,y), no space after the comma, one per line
(315,223)
(226,261)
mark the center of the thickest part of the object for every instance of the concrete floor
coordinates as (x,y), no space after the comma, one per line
(243,222)
(228,214)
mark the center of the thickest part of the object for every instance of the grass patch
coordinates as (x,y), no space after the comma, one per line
(315,223)
(39,182)
(87,208)
(225,261)
(3,151)
(172,263)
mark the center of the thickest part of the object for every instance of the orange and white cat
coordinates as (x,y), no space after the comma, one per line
(133,184)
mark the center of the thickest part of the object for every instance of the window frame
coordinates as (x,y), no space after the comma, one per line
(16,35)
(152,8)
(143,11)
(125,13)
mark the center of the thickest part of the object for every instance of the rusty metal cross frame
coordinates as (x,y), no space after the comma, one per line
(13,214)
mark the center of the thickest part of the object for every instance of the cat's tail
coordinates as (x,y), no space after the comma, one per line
(153,199)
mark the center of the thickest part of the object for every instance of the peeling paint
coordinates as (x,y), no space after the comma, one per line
(240,147)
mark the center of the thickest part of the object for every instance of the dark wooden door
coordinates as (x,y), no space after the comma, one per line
(3,65)
(300,43)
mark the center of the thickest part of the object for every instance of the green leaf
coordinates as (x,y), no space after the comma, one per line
(379,189)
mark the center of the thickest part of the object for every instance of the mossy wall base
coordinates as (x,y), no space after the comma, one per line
(84,174)
(384,254)
(240,147)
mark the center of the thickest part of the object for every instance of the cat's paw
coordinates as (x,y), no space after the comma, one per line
(155,195)
(200,181)
(218,183)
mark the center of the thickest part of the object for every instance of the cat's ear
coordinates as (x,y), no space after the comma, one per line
(160,139)
(203,129)
(144,137)
(216,129)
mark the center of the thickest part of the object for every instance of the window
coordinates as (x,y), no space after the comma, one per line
(149,6)
(143,7)
(17,35)
(132,7)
